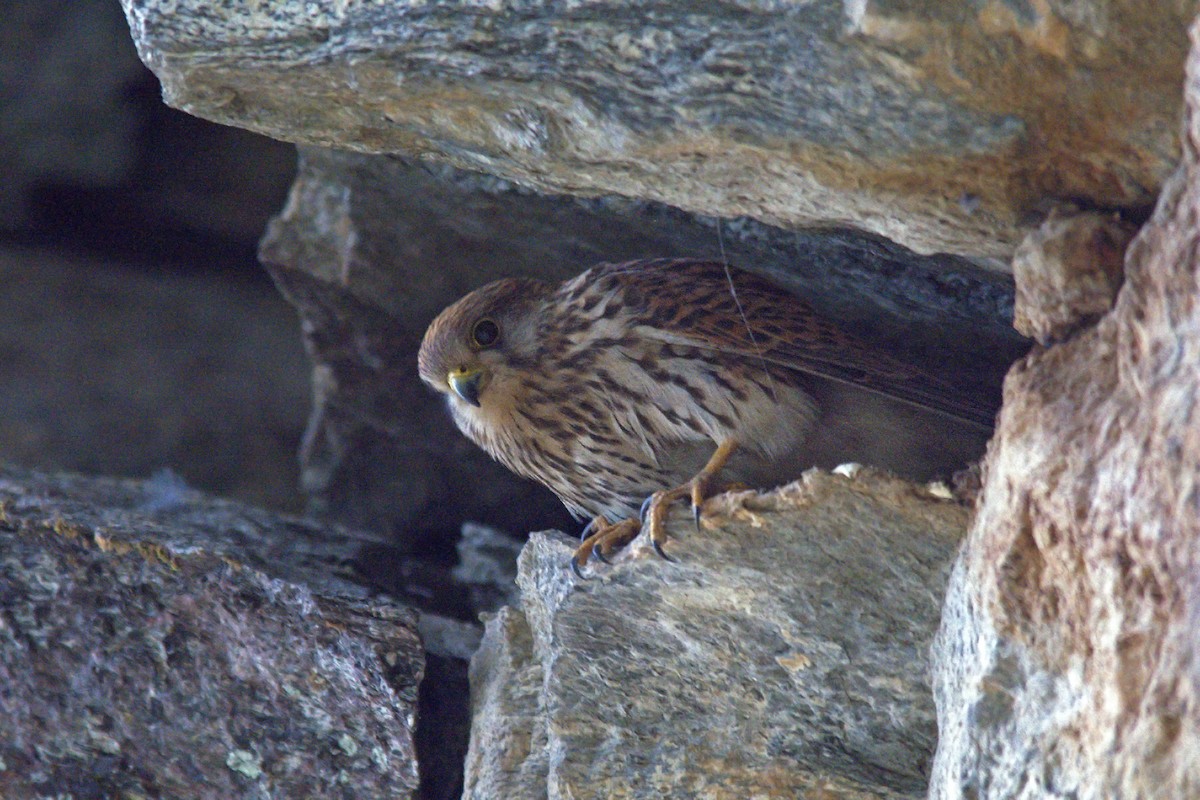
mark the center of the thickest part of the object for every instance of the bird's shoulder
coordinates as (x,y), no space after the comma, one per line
(713,306)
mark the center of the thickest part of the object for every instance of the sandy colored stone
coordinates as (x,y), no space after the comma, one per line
(1066,662)
(783,654)
(944,127)
(1068,272)
(507,755)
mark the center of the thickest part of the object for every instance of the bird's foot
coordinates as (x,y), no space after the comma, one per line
(699,489)
(600,539)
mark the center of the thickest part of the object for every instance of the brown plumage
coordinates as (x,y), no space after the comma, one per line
(625,380)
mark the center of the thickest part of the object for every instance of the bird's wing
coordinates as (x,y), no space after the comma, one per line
(737,312)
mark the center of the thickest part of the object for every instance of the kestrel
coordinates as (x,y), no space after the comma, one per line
(645,380)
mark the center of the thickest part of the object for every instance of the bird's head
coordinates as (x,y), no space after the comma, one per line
(480,342)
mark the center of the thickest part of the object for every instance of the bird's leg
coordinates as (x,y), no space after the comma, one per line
(698,488)
(601,538)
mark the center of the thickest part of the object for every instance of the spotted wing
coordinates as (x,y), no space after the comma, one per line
(709,305)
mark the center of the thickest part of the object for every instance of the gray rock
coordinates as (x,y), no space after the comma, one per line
(449,638)
(487,566)
(1065,666)
(939,126)
(507,755)
(139,658)
(784,653)
(317,555)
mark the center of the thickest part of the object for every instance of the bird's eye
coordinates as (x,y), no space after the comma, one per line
(485,333)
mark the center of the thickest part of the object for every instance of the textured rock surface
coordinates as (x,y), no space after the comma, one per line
(940,126)
(487,566)
(139,659)
(784,654)
(1066,666)
(370,249)
(316,555)
(1067,274)
(508,755)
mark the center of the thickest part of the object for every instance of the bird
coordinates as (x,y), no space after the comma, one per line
(637,384)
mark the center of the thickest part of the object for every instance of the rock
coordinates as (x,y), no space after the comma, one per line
(944,127)
(508,754)
(487,566)
(1066,662)
(317,555)
(1067,273)
(449,638)
(784,653)
(370,249)
(139,658)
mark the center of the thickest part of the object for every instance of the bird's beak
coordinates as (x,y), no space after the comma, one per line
(465,383)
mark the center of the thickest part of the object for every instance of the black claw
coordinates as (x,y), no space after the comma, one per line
(696,516)
(645,509)
(575,568)
(588,530)
(601,556)
(658,549)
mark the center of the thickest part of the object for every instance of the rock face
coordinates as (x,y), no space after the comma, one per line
(784,654)
(370,249)
(1066,665)
(139,659)
(940,126)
